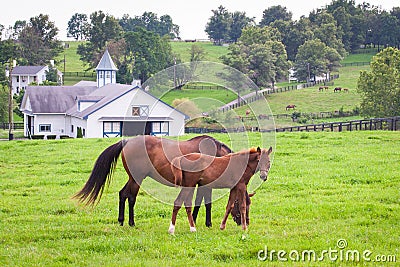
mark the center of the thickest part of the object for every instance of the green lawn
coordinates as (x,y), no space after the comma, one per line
(322,187)
(353,58)
(205,99)
(212,52)
(72,61)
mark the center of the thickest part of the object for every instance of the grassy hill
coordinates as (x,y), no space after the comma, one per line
(307,100)
(212,52)
(322,187)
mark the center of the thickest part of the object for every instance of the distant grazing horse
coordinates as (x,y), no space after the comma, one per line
(346,90)
(146,156)
(337,89)
(290,107)
(321,88)
(230,171)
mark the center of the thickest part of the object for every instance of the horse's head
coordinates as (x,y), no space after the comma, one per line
(235,212)
(264,162)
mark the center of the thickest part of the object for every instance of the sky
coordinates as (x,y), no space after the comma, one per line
(191,16)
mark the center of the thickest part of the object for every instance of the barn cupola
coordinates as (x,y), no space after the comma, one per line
(106,70)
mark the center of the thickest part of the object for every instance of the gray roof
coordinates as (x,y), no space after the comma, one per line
(26,70)
(86,83)
(106,62)
(53,99)
(63,99)
(105,94)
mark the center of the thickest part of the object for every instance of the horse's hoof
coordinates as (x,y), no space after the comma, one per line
(192,229)
(171,229)
(208,224)
(121,223)
(132,224)
(222,227)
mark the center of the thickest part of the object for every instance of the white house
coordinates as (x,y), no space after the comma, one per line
(99,109)
(22,76)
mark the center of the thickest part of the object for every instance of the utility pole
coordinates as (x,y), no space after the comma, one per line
(10,102)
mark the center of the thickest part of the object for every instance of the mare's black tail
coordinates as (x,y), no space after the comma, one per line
(101,173)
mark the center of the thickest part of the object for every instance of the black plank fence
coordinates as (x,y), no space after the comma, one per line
(389,124)
(17,125)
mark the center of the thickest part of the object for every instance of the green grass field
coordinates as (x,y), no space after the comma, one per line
(322,187)
(212,52)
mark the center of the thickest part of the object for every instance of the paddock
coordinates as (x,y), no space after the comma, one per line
(323,187)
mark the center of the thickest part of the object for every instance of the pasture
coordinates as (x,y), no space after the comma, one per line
(322,187)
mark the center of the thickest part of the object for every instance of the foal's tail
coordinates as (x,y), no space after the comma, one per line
(177,170)
(102,172)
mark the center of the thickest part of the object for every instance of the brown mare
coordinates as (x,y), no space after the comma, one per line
(147,156)
(290,106)
(230,171)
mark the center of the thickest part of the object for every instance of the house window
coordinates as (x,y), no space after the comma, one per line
(140,111)
(17,79)
(34,78)
(72,128)
(100,74)
(160,128)
(44,128)
(112,127)
(107,74)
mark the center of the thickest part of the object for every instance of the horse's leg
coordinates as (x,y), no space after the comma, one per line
(229,206)
(188,205)
(242,204)
(123,195)
(177,205)
(207,202)
(197,202)
(134,190)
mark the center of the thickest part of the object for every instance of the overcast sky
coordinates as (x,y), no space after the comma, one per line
(191,16)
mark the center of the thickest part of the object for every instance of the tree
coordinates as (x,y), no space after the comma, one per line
(147,52)
(186,106)
(78,26)
(37,42)
(275,13)
(150,22)
(4,103)
(51,75)
(238,23)
(325,29)
(380,87)
(103,28)
(315,58)
(260,55)
(197,53)
(297,33)
(218,25)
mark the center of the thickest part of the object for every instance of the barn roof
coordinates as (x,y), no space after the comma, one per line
(53,99)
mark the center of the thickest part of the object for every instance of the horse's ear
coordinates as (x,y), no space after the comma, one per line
(252,194)
(270,150)
(258,150)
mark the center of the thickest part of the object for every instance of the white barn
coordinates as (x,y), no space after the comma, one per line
(99,109)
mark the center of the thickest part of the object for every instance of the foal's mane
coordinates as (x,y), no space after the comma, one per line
(218,143)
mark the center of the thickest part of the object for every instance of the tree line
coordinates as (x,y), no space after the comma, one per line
(139,45)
